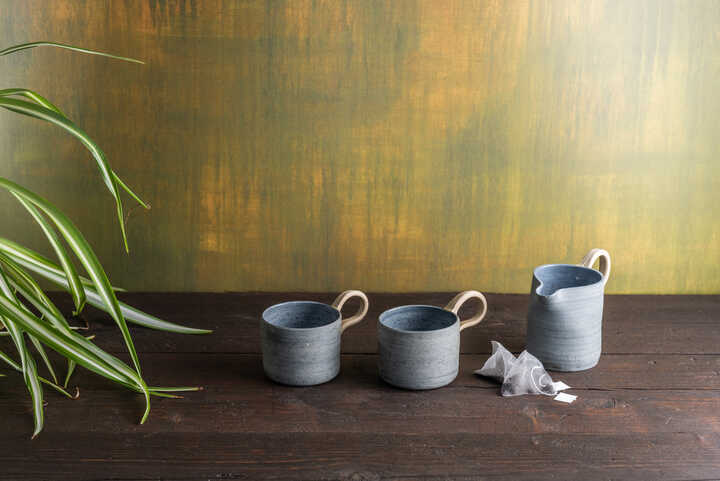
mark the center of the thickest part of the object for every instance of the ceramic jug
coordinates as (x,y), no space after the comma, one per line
(564,328)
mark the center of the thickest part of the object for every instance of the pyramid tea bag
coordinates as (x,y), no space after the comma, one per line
(527,376)
(498,364)
(522,375)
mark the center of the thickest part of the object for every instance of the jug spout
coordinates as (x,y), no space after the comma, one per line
(547,295)
(559,281)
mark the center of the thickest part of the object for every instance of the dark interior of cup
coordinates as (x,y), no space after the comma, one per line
(418,318)
(561,276)
(301,315)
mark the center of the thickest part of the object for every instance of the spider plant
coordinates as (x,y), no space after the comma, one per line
(27,314)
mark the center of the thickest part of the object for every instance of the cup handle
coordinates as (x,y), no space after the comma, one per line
(459,300)
(359,315)
(604,263)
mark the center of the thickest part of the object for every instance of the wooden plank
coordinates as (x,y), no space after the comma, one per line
(615,371)
(353,456)
(632,324)
(238,398)
(649,415)
(378,410)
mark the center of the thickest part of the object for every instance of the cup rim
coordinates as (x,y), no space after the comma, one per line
(383,315)
(280,304)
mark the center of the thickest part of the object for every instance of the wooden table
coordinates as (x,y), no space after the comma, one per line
(649,410)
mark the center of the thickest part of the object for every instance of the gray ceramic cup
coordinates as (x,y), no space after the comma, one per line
(301,339)
(564,327)
(420,345)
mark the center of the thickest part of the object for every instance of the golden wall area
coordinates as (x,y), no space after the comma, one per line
(388,146)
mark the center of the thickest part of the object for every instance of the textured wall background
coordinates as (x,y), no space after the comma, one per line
(404,145)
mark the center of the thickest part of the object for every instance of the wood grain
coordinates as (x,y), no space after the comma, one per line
(647,411)
(623,395)
(344,456)
(631,324)
(386,146)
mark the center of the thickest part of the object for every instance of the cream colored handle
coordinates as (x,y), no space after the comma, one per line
(604,264)
(359,315)
(459,300)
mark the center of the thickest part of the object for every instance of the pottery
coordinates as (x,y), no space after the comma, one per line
(301,339)
(420,345)
(564,328)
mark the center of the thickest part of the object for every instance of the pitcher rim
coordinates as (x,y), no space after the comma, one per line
(575,266)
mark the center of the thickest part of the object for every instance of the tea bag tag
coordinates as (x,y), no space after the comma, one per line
(565,397)
(560,386)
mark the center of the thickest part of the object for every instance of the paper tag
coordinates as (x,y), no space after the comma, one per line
(564,397)
(560,386)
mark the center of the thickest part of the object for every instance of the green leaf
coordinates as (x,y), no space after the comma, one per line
(44,357)
(38,111)
(136,316)
(107,358)
(59,327)
(70,371)
(174,389)
(46,269)
(85,254)
(4,357)
(26,286)
(21,252)
(51,314)
(129,191)
(25,46)
(76,289)
(10,362)
(39,99)
(73,346)
(51,328)
(34,96)
(29,369)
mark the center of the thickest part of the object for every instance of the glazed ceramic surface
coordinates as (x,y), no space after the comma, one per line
(419,346)
(301,339)
(565,314)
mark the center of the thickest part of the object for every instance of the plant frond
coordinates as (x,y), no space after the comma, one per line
(26,46)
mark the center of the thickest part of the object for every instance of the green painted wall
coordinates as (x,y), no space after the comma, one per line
(404,145)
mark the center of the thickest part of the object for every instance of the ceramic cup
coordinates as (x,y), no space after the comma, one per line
(420,345)
(301,339)
(564,326)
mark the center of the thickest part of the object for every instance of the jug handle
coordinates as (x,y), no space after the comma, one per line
(604,264)
(457,301)
(359,315)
